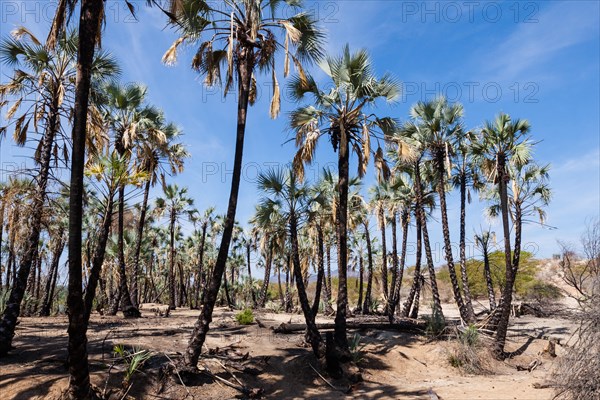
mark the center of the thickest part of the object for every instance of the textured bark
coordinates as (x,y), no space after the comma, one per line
(398,286)
(441,191)
(392,292)
(437,304)
(129,311)
(320,270)
(384,269)
(414,289)
(200,267)
(265,286)
(328,288)
(244,70)
(171,272)
(340,338)
(488,279)
(248,249)
(13,305)
(503,313)
(361,272)
(312,333)
(138,246)
(98,259)
(89,30)
(59,246)
(463,257)
(367,303)
(2,212)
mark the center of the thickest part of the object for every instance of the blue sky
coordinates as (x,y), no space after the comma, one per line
(534,60)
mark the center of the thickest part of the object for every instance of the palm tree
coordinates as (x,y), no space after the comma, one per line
(44,78)
(174,204)
(242,38)
(483,242)
(287,199)
(380,196)
(129,118)
(205,221)
(152,153)
(503,143)
(341,113)
(410,153)
(439,122)
(466,177)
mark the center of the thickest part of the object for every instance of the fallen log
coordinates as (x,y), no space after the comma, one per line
(412,325)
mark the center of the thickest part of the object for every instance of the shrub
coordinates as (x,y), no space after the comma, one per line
(541,291)
(356,348)
(466,354)
(245,317)
(435,322)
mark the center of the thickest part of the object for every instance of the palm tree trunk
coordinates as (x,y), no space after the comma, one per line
(341,340)
(391,303)
(250,275)
(2,212)
(506,300)
(200,267)
(279,287)
(89,31)
(417,275)
(245,68)
(366,309)
(398,286)
(415,309)
(138,245)
(13,305)
(465,314)
(129,311)
(328,288)
(384,269)
(488,279)
(98,259)
(463,257)
(312,334)
(437,304)
(265,286)
(361,272)
(288,295)
(320,270)
(171,272)
(52,274)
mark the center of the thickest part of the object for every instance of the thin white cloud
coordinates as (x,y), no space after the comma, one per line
(560,26)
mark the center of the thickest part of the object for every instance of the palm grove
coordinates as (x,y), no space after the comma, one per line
(66,102)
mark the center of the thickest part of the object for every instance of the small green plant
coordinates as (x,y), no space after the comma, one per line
(134,359)
(435,322)
(245,317)
(356,348)
(374,305)
(465,355)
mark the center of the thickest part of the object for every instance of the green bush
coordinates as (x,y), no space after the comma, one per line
(541,291)
(245,317)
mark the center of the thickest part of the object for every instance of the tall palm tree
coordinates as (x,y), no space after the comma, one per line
(483,241)
(242,37)
(205,221)
(439,123)
(465,178)
(410,154)
(174,205)
(157,153)
(380,197)
(342,114)
(129,117)
(503,143)
(40,87)
(286,198)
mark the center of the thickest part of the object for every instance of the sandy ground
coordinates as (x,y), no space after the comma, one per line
(394,365)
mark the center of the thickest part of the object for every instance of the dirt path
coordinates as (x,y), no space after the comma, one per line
(395,365)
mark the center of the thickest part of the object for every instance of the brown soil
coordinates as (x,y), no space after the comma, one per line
(394,365)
